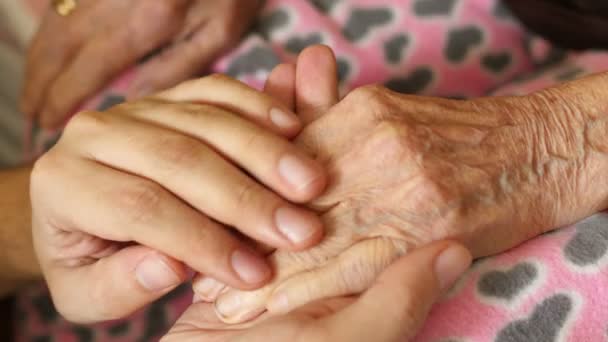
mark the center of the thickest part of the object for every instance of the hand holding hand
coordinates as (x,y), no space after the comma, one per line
(128,196)
(406,170)
(393,309)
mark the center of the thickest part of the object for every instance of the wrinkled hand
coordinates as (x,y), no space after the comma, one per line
(128,196)
(73,57)
(407,170)
(393,309)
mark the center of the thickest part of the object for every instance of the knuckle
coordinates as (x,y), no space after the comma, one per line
(256,141)
(86,123)
(178,152)
(374,103)
(247,194)
(42,171)
(139,203)
(366,93)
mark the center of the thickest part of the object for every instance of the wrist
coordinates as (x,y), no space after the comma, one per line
(571,137)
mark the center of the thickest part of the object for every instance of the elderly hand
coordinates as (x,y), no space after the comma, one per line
(73,57)
(127,196)
(406,170)
(393,309)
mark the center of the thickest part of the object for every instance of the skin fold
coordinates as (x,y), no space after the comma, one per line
(406,170)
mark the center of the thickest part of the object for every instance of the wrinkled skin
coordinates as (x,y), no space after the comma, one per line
(407,170)
(68,58)
(393,309)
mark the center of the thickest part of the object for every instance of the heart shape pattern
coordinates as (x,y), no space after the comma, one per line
(507,284)
(295,45)
(362,21)
(590,243)
(497,63)
(425,8)
(272,22)
(415,82)
(461,41)
(344,69)
(543,325)
(257,59)
(324,6)
(395,47)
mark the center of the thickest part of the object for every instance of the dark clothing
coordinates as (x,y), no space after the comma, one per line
(576,24)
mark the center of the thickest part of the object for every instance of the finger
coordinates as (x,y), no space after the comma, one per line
(352,272)
(115,286)
(48,55)
(121,207)
(85,74)
(197,174)
(209,30)
(206,288)
(235,96)
(316,82)
(199,323)
(281,84)
(236,306)
(271,159)
(397,305)
(182,61)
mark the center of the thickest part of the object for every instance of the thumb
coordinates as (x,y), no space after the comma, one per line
(114,286)
(397,305)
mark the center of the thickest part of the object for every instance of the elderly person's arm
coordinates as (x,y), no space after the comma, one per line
(408,170)
(18,263)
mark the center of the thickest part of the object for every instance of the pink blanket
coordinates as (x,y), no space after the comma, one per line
(553,288)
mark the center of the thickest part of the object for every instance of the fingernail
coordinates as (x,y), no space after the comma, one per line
(451,264)
(237,307)
(154,274)
(283,119)
(249,267)
(296,172)
(208,288)
(296,225)
(228,306)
